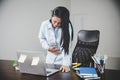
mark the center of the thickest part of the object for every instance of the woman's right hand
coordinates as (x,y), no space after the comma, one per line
(54,50)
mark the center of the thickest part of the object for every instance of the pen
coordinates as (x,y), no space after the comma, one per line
(76,65)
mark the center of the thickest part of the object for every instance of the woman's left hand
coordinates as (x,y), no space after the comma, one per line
(64,68)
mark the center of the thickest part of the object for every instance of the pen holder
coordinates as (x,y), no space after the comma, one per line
(100,67)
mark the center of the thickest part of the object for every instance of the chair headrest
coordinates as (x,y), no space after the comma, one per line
(88,35)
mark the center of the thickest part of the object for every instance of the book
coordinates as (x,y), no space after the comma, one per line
(86,72)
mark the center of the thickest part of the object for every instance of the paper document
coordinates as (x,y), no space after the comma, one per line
(22,58)
(35,61)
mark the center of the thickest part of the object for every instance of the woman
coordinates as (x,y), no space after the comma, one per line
(56,35)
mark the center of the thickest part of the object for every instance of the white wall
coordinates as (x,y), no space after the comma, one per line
(20,22)
(103,15)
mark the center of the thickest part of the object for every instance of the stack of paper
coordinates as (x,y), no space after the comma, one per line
(87,72)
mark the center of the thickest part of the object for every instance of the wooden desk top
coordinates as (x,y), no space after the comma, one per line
(7,72)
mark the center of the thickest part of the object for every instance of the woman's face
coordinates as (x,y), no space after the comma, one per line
(56,21)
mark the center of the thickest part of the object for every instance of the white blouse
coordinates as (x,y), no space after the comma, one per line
(48,36)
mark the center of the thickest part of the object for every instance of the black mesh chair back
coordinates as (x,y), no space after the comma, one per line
(86,47)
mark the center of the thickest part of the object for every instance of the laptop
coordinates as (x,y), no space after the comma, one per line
(26,64)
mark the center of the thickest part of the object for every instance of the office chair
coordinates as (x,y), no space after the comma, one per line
(86,46)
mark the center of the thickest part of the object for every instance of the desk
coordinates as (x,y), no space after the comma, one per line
(7,72)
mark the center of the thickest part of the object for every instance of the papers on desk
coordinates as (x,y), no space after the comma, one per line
(35,61)
(22,58)
(87,72)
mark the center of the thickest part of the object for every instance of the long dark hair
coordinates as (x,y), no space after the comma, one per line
(64,14)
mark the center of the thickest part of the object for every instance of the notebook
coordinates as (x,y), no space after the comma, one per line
(33,62)
(85,72)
